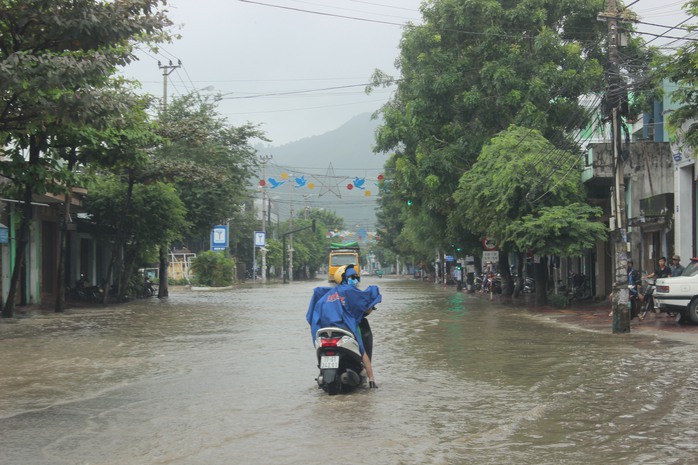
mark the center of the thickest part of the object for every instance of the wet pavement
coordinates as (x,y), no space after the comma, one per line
(227,377)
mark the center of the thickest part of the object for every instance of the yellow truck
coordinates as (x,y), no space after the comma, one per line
(343,254)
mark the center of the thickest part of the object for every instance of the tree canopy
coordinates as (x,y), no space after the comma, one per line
(209,160)
(470,71)
(683,70)
(525,204)
(57,64)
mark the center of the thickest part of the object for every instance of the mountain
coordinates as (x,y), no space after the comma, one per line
(329,163)
(351,144)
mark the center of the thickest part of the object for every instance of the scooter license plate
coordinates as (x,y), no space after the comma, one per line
(329,361)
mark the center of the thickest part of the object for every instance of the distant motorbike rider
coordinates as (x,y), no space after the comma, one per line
(345,306)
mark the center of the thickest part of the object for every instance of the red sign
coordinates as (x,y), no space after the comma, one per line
(489,243)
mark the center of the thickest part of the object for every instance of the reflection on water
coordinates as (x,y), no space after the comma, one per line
(221,378)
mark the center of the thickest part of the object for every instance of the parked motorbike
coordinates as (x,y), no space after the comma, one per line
(577,288)
(339,361)
(147,289)
(529,286)
(83,290)
(648,300)
(494,283)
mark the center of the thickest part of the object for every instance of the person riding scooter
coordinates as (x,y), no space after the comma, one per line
(344,306)
(351,277)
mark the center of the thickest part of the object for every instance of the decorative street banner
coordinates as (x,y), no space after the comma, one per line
(329,183)
(219,237)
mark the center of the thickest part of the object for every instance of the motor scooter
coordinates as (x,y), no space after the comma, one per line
(339,360)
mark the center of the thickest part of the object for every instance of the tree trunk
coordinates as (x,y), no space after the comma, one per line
(118,244)
(505,274)
(163,290)
(541,282)
(519,281)
(63,241)
(23,234)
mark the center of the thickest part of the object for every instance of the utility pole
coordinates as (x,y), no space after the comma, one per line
(620,305)
(163,290)
(166,71)
(290,239)
(265,159)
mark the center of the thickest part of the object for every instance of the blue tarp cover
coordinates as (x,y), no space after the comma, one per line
(342,306)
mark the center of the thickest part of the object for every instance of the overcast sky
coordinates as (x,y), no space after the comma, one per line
(321,53)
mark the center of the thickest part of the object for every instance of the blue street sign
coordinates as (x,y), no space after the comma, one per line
(260,238)
(219,237)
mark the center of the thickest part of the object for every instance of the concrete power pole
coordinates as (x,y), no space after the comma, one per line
(163,290)
(265,159)
(621,310)
(166,71)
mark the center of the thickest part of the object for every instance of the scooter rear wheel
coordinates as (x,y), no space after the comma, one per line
(334,388)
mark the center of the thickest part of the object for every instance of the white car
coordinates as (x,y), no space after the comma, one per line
(680,294)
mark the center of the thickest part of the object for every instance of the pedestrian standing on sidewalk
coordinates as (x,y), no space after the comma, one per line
(676,268)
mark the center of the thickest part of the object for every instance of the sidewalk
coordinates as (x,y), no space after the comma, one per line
(595,315)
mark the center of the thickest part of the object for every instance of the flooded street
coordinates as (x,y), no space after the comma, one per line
(228,378)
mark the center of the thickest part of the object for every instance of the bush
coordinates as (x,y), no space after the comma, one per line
(213,269)
(558,300)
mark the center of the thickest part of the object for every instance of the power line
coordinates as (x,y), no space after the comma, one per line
(350,9)
(302,108)
(382,5)
(333,15)
(390,23)
(674,27)
(661,25)
(295,92)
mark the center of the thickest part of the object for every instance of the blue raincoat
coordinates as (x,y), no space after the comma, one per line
(342,306)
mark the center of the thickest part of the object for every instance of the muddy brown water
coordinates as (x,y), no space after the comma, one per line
(228,378)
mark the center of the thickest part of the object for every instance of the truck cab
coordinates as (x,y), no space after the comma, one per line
(341,255)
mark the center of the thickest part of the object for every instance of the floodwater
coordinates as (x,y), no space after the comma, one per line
(228,378)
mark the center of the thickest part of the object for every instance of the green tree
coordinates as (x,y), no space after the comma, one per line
(468,72)
(472,69)
(274,255)
(683,70)
(56,62)
(309,247)
(405,229)
(138,217)
(329,219)
(208,160)
(214,269)
(525,204)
